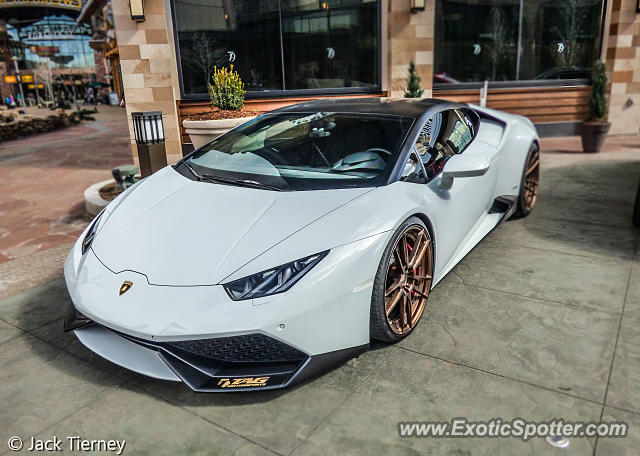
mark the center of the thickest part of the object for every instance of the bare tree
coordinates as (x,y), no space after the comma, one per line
(203,55)
(575,14)
(498,48)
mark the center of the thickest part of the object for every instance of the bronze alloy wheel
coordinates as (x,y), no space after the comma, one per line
(408,279)
(532,179)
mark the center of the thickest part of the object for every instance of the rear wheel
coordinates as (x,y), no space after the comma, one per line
(403,282)
(530,182)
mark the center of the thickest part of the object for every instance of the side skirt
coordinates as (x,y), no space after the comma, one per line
(503,207)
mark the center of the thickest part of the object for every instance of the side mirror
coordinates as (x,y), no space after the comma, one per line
(463,166)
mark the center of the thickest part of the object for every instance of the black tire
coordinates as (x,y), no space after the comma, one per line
(636,209)
(379,325)
(525,204)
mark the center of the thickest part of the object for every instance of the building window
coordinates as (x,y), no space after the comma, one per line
(280,46)
(515,40)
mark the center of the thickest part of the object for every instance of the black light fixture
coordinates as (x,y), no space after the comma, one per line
(419,5)
(638,7)
(137,10)
(148,127)
(148,130)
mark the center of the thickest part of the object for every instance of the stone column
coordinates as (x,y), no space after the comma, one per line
(410,38)
(623,65)
(5,89)
(148,66)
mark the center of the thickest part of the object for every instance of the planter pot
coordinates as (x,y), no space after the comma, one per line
(93,202)
(593,135)
(203,131)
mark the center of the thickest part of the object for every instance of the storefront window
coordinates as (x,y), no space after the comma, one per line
(279,45)
(515,40)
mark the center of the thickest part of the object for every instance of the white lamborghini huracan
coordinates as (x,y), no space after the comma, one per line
(283,247)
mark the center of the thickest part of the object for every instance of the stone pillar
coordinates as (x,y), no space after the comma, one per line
(100,67)
(5,89)
(623,65)
(148,66)
(410,38)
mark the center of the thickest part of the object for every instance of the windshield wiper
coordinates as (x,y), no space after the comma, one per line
(191,170)
(240,183)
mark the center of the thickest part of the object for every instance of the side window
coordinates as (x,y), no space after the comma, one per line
(442,136)
(459,131)
(413,169)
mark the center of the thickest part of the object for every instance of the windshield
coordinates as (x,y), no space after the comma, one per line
(304,151)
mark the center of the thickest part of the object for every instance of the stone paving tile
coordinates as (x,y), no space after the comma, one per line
(280,419)
(559,347)
(54,334)
(627,446)
(566,236)
(624,385)
(151,427)
(32,270)
(7,331)
(35,307)
(632,306)
(608,182)
(614,214)
(409,386)
(41,385)
(597,283)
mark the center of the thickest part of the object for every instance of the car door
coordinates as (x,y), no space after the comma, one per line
(445,136)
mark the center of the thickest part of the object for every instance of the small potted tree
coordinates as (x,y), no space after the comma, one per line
(413,84)
(594,130)
(226,92)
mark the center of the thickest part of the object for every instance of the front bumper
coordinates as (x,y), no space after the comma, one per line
(246,362)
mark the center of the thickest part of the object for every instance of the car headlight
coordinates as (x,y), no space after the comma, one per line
(272,281)
(88,238)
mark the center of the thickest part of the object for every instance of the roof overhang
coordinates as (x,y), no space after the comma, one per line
(89,9)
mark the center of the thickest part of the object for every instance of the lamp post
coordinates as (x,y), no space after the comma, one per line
(15,65)
(417,5)
(149,133)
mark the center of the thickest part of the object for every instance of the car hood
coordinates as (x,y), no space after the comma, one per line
(185,233)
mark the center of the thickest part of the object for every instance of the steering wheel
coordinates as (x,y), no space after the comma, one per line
(317,150)
(379,150)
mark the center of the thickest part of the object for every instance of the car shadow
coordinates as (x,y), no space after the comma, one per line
(586,207)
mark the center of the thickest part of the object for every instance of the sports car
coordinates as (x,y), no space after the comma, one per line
(283,247)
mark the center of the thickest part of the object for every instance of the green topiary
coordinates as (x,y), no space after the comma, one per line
(598,100)
(413,86)
(227,89)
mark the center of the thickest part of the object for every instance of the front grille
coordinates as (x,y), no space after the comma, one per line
(238,349)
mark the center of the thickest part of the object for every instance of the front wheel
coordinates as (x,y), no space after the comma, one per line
(403,282)
(530,183)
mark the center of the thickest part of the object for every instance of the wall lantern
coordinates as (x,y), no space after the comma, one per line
(137,10)
(419,5)
(149,134)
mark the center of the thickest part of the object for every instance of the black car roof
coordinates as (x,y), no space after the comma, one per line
(410,107)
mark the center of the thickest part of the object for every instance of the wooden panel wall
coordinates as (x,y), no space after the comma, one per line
(543,104)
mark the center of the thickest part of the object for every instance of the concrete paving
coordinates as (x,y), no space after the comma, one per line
(540,321)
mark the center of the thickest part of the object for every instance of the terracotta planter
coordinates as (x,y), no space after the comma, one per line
(203,131)
(593,135)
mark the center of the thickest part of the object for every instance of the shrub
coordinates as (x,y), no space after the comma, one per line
(598,100)
(413,86)
(227,89)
